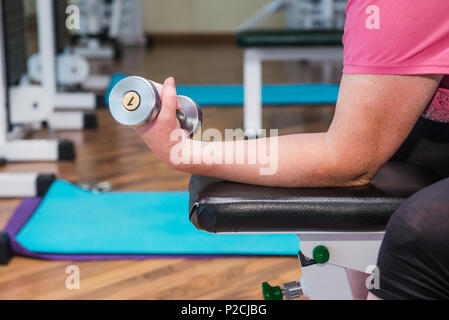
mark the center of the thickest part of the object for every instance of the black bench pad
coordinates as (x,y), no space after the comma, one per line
(219,206)
(289,38)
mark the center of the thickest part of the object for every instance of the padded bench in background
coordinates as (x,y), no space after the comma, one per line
(281,45)
(289,38)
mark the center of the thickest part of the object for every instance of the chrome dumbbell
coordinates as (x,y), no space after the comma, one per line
(134,101)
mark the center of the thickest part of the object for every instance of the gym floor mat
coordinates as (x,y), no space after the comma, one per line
(272,94)
(74,224)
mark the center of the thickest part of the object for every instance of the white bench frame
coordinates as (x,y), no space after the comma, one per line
(252,75)
(348,252)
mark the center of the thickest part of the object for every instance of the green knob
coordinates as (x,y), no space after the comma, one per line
(271,293)
(320,254)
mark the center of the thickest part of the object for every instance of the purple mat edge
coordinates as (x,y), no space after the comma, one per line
(26,209)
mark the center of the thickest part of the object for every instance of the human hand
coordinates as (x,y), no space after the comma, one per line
(157,134)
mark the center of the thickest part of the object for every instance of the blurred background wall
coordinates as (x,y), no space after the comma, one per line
(194,16)
(201,16)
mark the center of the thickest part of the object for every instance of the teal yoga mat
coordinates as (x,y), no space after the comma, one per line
(272,94)
(70,220)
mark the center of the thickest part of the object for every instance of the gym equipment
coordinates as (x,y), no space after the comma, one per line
(24,184)
(302,14)
(96,187)
(37,103)
(340,229)
(290,290)
(314,33)
(123,225)
(106,25)
(71,69)
(284,45)
(97,37)
(52,38)
(135,100)
(16,96)
(129,28)
(21,104)
(5,249)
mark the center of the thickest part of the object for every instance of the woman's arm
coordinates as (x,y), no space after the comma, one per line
(374,115)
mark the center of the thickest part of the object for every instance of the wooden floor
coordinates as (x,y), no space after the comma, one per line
(114,153)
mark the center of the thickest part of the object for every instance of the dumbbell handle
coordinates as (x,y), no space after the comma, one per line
(182,117)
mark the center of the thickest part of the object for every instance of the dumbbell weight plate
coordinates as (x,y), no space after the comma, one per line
(135,101)
(190,116)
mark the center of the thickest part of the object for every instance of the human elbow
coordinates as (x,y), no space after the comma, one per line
(354,170)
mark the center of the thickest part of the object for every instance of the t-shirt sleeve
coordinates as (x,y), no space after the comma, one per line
(396,37)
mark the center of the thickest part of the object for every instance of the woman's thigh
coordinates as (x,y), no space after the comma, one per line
(414,256)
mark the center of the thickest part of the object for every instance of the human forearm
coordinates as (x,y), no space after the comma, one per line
(299,160)
(374,115)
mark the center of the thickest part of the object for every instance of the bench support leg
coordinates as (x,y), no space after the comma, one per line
(325,282)
(252,79)
(342,276)
(334,266)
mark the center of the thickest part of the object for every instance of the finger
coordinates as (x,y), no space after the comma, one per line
(158,86)
(169,99)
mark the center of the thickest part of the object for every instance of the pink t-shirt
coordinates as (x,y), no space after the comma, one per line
(399,37)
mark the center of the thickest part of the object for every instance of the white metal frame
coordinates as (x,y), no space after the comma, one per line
(91,47)
(14,148)
(18,184)
(72,70)
(252,75)
(349,253)
(46,40)
(254,57)
(93,12)
(124,22)
(19,150)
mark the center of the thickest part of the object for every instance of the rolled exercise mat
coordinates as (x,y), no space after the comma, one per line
(74,224)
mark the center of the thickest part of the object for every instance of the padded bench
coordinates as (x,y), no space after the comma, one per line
(348,223)
(281,45)
(224,207)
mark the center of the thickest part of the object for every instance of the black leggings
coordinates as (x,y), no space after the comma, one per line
(413,259)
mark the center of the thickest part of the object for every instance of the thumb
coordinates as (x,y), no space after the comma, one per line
(169,99)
